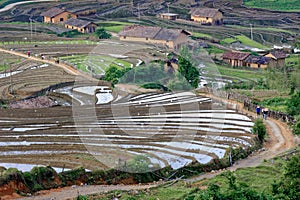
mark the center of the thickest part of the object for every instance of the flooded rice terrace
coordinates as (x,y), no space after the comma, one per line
(167,129)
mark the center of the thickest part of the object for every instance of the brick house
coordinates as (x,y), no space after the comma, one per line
(208,16)
(56,15)
(235,59)
(257,62)
(171,38)
(278,58)
(82,26)
(168,16)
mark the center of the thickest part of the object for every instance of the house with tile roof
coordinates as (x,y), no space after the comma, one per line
(171,38)
(278,57)
(208,16)
(168,16)
(257,62)
(57,15)
(80,25)
(235,59)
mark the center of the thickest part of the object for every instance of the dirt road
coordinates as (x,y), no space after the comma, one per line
(10,6)
(280,139)
(67,68)
(74,191)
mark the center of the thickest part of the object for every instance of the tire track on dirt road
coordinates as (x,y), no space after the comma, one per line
(73,191)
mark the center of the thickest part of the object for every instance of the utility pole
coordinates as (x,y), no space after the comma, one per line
(11,84)
(30,27)
(139,11)
(251,32)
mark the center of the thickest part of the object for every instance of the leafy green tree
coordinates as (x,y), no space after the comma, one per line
(113,73)
(187,67)
(296,128)
(101,33)
(294,104)
(259,129)
(289,186)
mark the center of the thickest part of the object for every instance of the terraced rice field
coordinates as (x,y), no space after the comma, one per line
(26,77)
(168,129)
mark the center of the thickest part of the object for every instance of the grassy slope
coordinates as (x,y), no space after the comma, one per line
(240,73)
(258,178)
(283,5)
(244,40)
(98,63)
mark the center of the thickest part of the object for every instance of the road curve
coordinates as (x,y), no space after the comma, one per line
(10,6)
(67,68)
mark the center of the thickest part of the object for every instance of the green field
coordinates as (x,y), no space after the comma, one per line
(83,42)
(245,41)
(202,35)
(242,74)
(283,5)
(96,63)
(275,30)
(113,26)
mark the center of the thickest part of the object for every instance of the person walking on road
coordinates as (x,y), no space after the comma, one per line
(257,111)
(265,113)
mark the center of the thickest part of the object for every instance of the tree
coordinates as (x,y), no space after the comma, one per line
(101,33)
(187,68)
(289,186)
(113,73)
(294,104)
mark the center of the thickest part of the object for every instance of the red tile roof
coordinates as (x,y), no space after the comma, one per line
(205,12)
(157,33)
(53,12)
(278,54)
(235,55)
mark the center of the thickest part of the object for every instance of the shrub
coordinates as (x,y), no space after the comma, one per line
(259,129)
(296,129)
(70,34)
(101,33)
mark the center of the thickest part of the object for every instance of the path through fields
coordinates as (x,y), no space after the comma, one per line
(67,68)
(10,6)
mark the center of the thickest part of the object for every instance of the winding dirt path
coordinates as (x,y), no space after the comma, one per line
(280,139)
(10,6)
(73,191)
(69,69)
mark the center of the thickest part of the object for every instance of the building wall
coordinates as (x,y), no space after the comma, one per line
(168,17)
(234,63)
(60,18)
(170,44)
(276,62)
(88,29)
(256,66)
(181,39)
(47,19)
(217,19)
